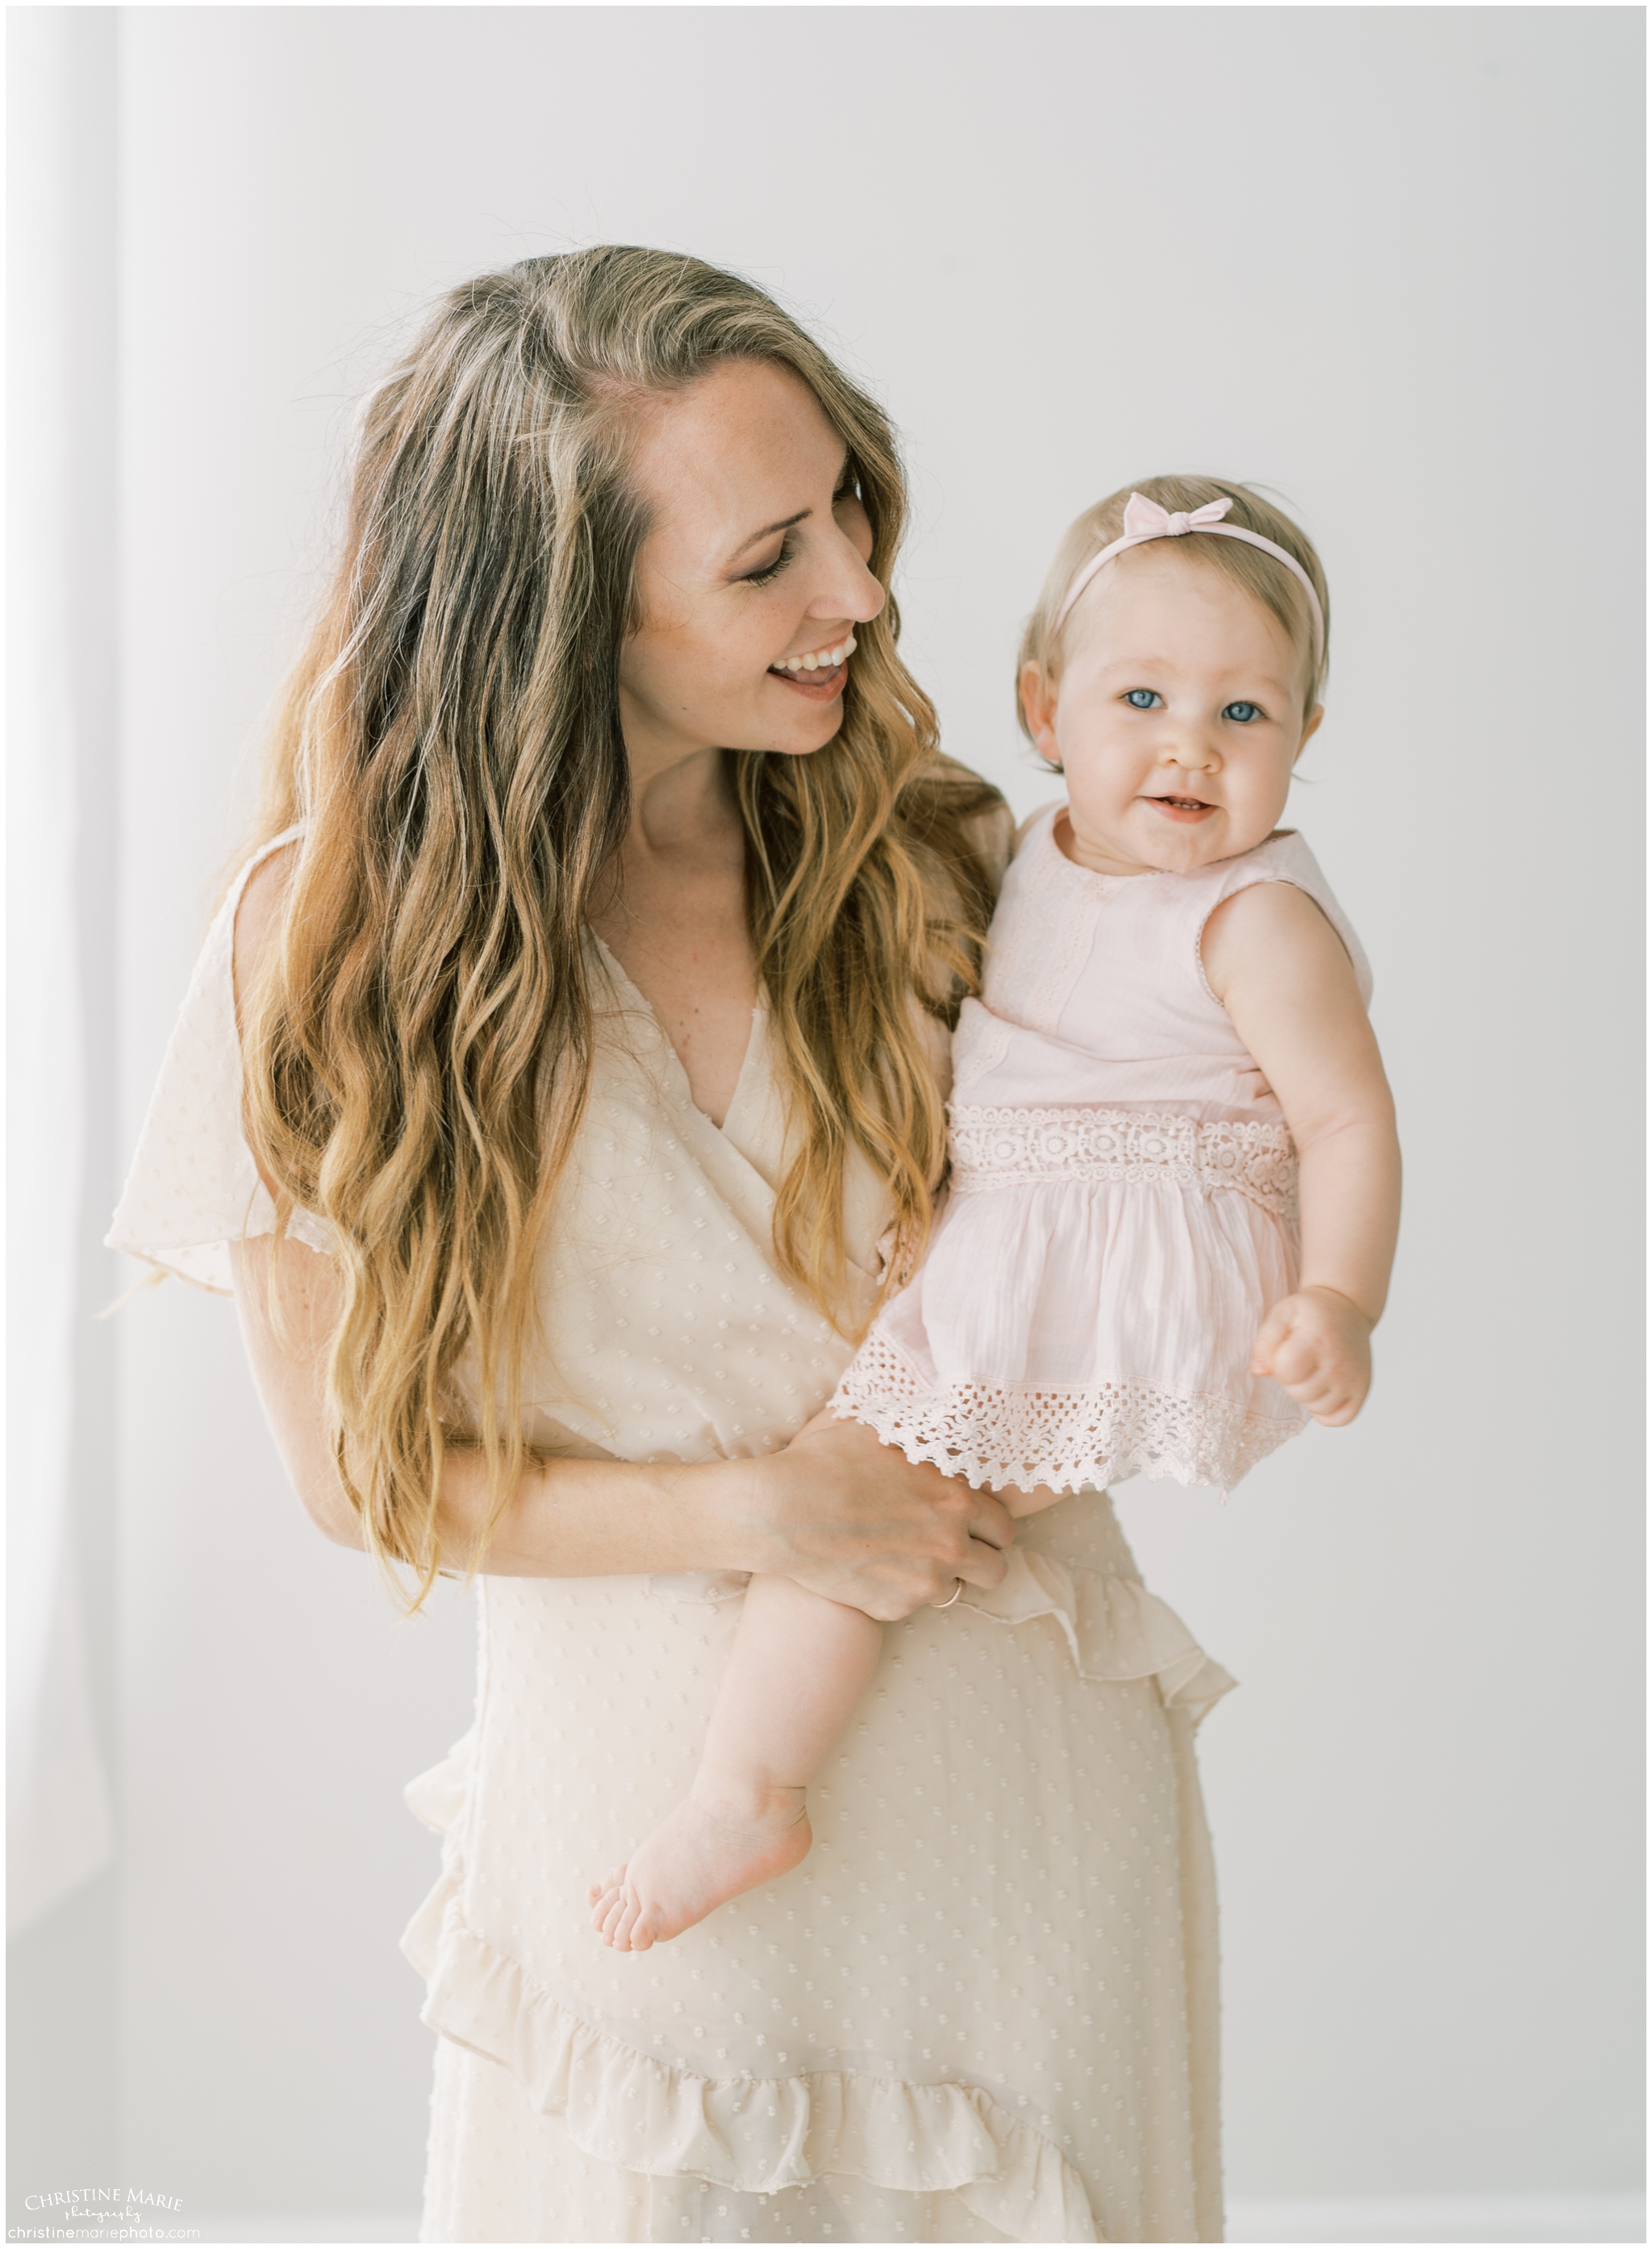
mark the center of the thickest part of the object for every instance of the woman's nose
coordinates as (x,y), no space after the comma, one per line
(848,588)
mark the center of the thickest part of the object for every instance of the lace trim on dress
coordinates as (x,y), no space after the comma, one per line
(994,1147)
(1067,1437)
(755,2133)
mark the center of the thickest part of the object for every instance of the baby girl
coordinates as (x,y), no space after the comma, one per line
(1175,1180)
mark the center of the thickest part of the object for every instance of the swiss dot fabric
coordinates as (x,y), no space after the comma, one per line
(984,2009)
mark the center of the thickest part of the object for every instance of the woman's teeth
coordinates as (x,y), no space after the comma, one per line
(824,659)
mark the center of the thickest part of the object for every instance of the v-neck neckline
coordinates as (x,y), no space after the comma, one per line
(748,1060)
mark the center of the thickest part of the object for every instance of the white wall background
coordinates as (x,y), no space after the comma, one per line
(1386,260)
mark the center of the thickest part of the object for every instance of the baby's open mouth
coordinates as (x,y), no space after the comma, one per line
(1182,803)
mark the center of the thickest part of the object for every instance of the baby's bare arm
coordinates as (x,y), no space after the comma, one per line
(1283,975)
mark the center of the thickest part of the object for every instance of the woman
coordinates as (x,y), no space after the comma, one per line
(593,975)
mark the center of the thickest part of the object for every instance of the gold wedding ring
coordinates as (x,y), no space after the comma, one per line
(947,1604)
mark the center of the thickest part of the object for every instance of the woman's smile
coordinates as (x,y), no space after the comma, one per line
(819,674)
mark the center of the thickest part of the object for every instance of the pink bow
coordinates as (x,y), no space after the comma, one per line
(1145,518)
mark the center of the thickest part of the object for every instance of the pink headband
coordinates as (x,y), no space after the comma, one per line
(1145,519)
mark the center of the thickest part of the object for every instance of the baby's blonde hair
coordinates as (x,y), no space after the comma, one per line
(1268,582)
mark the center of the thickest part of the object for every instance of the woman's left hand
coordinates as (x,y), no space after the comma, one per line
(853,1518)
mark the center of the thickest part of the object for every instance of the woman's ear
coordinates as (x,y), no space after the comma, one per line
(1038,696)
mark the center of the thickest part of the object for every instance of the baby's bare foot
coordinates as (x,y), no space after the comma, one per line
(725,1836)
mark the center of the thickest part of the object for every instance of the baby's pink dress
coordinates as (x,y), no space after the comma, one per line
(1123,1200)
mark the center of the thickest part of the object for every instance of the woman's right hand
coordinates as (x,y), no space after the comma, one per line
(851,1518)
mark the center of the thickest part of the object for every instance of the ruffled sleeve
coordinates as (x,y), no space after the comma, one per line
(193,1188)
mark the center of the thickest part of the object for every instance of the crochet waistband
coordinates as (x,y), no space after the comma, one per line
(1011,1147)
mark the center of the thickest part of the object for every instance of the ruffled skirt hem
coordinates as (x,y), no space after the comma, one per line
(762,2135)
(757,2134)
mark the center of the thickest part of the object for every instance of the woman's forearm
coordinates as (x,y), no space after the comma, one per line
(848,1516)
(582,1518)
(565,1518)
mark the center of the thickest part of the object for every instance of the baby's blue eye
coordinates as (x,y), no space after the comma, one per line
(1141,698)
(1243,713)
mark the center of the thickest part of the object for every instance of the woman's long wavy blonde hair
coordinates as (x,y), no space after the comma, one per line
(419,1048)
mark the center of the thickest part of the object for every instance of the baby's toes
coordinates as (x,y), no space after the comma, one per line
(620,1934)
(605,1887)
(614,1908)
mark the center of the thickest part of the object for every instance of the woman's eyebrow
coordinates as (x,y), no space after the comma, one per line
(769,529)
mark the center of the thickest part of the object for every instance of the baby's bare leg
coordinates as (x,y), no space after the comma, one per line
(1028,1502)
(799,1665)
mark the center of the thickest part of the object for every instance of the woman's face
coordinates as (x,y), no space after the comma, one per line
(757,554)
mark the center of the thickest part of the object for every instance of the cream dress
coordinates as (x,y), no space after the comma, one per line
(985,2008)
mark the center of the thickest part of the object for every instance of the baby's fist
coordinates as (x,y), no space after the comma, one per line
(1316,1347)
